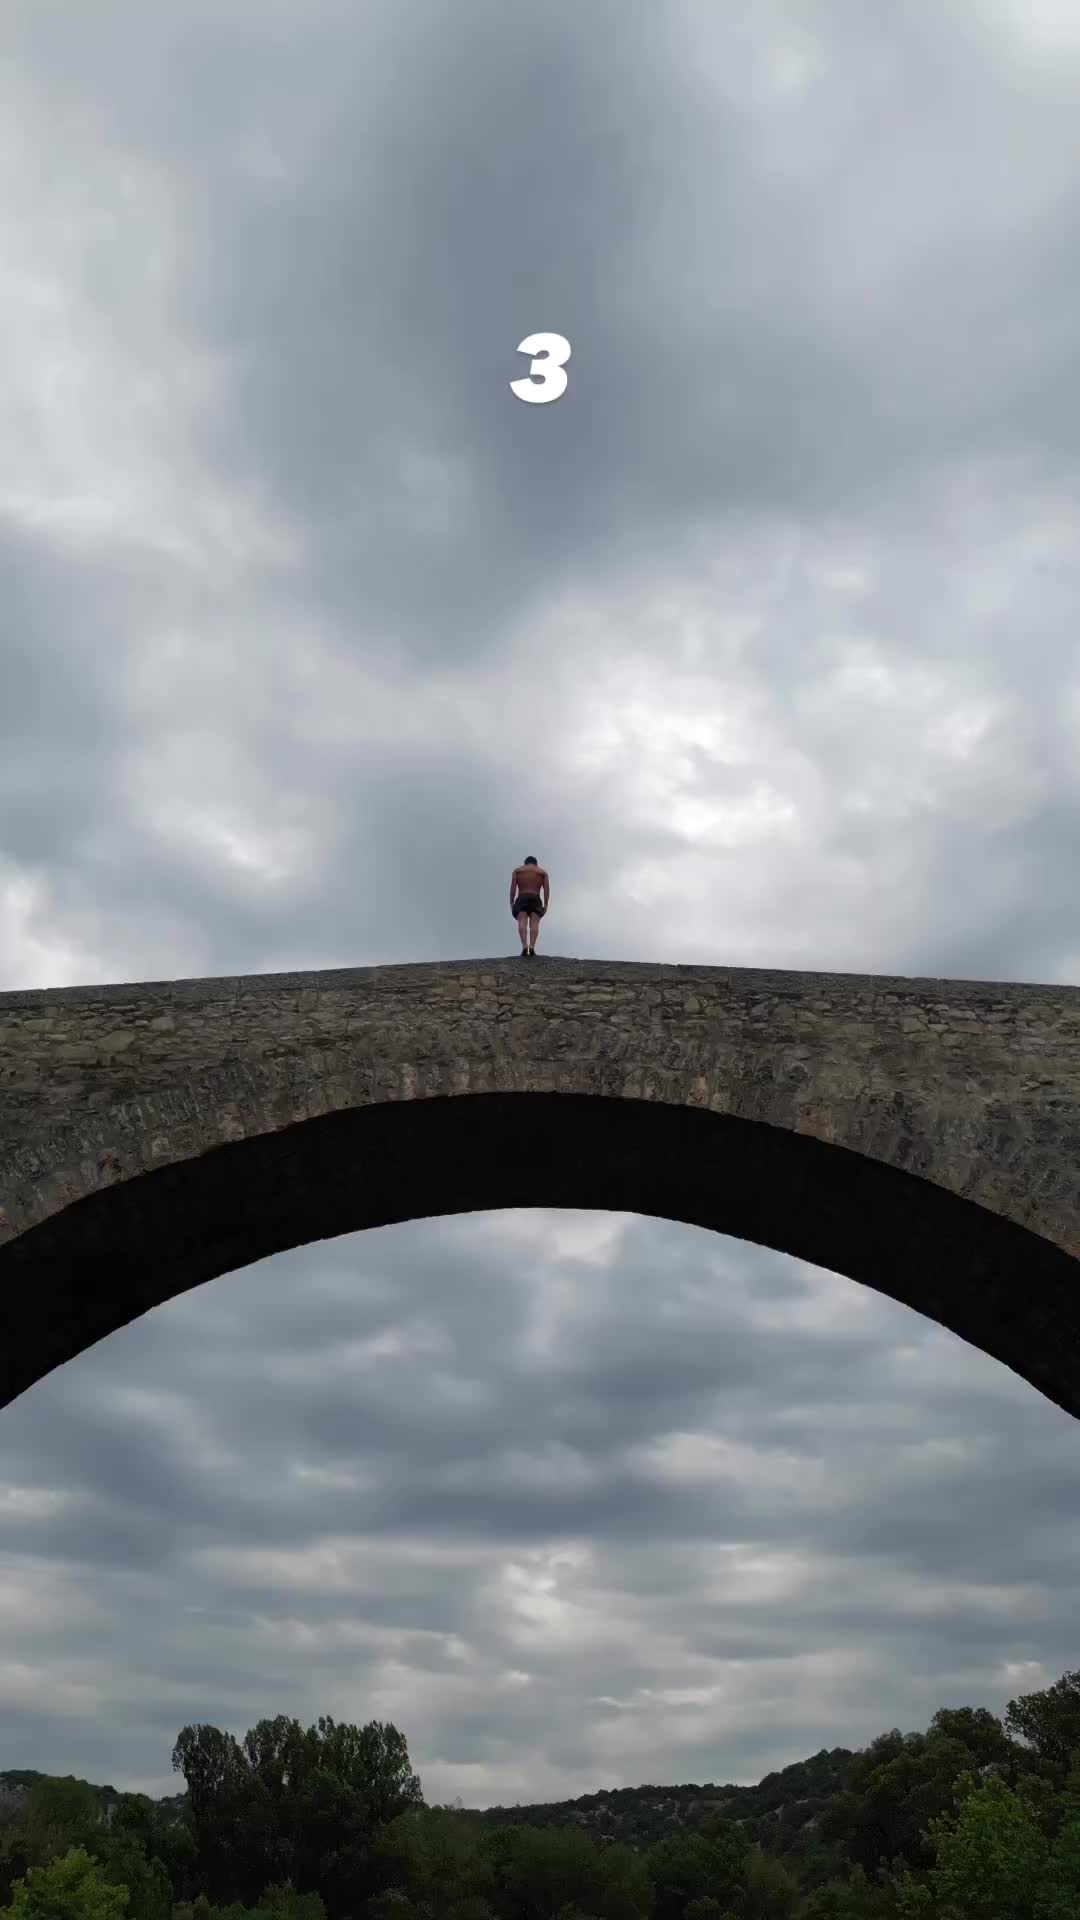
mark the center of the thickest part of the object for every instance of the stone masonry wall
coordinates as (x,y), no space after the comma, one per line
(975,1085)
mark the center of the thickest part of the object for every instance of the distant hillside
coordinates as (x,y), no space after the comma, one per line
(783,1812)
(781,1809)
(20,1780)
(16,1780)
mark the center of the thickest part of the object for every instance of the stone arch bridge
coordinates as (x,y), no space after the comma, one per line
(919,1136)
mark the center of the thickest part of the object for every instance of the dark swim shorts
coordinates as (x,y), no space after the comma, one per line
(527,903)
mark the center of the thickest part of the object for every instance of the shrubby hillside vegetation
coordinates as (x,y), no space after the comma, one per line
(975,1819)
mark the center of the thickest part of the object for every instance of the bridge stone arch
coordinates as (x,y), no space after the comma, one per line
(920,1136)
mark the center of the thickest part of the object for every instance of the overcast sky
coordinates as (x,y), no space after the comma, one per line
(789,574)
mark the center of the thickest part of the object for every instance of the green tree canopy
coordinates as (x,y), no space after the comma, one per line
(687,1867)
(992,1858)
(1049,1721)
(978,1731)
(293,1805)
(69,1888)
(894,1789)
(855,1898)
(771,1892)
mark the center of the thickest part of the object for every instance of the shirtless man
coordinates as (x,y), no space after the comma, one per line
(530,898)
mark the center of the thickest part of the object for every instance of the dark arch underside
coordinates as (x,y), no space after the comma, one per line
(107,1259)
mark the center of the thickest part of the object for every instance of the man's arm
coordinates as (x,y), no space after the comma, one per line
(545,887)
(513,886)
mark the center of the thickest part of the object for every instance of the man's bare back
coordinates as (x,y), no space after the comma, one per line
(530,898)
(532,880)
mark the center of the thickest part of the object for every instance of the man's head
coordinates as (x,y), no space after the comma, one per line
(530,860)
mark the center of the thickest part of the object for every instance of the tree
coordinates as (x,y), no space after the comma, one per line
(537,1871)
(12,1804)
(992,1858)
(70,1888)
(686,1866)
(59,1815)
(372,1760)
(176,1849)
(137,1814)
(625,1888)
(771,1891)
(54,1816)
(1049,1721)
(894,1789)
(123,1862)
(856,1898)
(978,1731)
(431,1854)
(394,1904)
(293,1805)
(214,1768)
(354,1781)
(1060,1898)
(914,1900)
(285,1903)
(215,1772)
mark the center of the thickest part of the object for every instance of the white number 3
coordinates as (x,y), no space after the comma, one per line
(552,378)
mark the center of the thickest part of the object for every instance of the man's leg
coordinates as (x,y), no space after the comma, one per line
(534,928)
(523,929)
